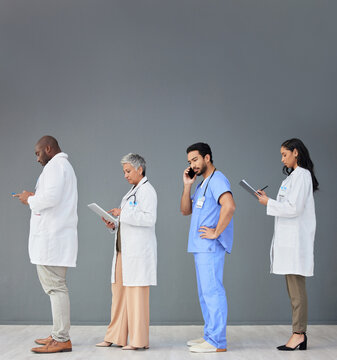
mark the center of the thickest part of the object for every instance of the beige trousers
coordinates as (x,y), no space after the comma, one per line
(130,314)
(299,302)
(53,281)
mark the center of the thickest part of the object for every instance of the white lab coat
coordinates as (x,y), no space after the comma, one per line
(53,223)
(138,237)
(292,248)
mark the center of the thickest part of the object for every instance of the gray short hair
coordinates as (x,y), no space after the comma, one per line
(135,160)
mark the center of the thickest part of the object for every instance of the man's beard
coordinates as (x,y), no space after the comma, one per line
(45,159)
(202,170)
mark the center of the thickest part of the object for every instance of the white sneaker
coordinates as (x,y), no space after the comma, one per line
(195,342)
(205,347)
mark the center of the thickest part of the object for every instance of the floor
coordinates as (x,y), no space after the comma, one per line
(168,342)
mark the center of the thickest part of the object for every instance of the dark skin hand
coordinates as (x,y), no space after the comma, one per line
(23,197)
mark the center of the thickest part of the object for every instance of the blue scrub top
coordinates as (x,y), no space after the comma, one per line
(209,214)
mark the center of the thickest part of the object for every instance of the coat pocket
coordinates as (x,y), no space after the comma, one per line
(36,224)
(286,234)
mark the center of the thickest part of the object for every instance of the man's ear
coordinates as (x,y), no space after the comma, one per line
(207,158)
(47,149)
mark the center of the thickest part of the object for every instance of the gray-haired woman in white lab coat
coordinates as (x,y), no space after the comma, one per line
(292,248)
(134,265)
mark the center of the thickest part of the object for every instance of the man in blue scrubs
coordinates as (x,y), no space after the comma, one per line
(210,237)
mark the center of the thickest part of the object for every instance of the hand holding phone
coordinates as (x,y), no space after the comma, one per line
(189,176)
(191,173)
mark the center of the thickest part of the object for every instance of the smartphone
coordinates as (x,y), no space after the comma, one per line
(191,173)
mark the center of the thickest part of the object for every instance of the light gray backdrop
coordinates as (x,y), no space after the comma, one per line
(111,77)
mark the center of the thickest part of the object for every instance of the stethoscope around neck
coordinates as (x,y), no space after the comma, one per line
(203,196)
(134,202)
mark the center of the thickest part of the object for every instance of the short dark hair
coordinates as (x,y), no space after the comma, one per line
(203,149)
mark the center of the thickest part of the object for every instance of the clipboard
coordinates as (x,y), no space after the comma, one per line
(102,213)
(243,183)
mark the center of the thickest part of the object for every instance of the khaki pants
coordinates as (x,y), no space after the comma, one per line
(53,281)
(130,314)
(299,303)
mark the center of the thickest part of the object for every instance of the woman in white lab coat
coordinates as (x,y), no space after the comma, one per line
(134,265)
(292,248)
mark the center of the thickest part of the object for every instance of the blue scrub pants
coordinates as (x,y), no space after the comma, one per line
(212,295)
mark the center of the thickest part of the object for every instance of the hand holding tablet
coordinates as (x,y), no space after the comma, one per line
(243,183)
(102,213)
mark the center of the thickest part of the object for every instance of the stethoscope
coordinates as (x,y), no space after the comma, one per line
(207,183)
(134,202)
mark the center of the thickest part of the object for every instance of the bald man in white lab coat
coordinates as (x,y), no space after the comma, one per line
(53,236)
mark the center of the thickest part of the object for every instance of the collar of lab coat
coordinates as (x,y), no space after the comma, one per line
(298,169)
(295,171)
(292,175)
(134,189)
(60,154)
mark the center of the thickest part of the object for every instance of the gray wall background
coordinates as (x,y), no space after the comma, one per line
(111,77)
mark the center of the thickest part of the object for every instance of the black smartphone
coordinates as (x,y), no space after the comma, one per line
(191,173)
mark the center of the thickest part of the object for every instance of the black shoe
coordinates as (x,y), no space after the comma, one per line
(300,346)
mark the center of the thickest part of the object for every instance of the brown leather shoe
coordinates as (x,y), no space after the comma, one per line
(43,341)
(53,347)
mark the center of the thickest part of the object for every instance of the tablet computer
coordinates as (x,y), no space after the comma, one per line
(248,188)
(102,213)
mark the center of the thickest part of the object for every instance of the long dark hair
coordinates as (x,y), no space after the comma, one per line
(303,159)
